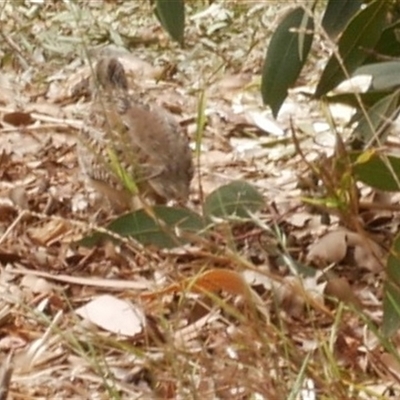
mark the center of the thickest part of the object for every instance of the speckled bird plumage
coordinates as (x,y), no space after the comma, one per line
(149,145)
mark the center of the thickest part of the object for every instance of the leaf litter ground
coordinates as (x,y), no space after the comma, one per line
(224,317)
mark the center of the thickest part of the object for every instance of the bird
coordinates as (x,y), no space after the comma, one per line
(128,149)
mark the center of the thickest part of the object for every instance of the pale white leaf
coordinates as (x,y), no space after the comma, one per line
(113,315)
(266,124)
(356,84)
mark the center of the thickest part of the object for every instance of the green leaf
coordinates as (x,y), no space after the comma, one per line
(159,230)
(377,170)
(337,15)
(385,75)
(389,43)
(171,14)
(368,99)
(391,293)
(361,35)
(375,126)
(286,55)
(235,199)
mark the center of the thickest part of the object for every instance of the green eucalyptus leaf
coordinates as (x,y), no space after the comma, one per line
(171,14)
(337,15)
(368,99)
(385,75)
(388,44)
(375,125)
(286,55)
(377,170)
(159,229)
(362,34)
(235,199)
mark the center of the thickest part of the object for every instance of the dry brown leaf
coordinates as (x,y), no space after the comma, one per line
(18,118)
(49,232)
(230,85)
(254,278)
(19,197)
(299,219)
(114,315)
(340,289)
(140,69)
(367,254)
(211,281)
(365,258)
(36,284)
(220,279)
(331,248)
(392,364)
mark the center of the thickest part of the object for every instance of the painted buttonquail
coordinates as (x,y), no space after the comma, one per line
(129,148)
